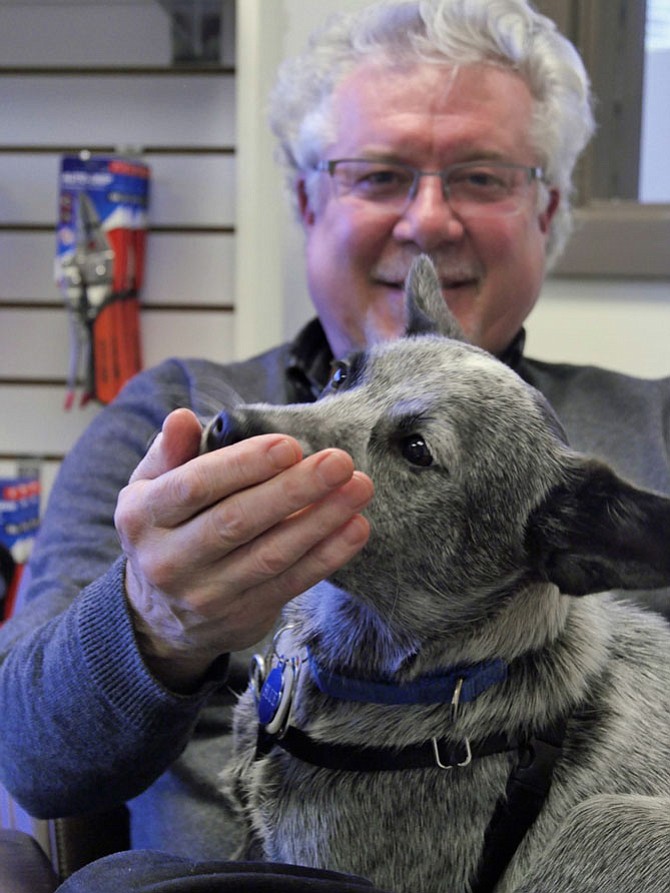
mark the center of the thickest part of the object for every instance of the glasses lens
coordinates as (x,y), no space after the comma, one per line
(487,188)
(373,181)
(474,189)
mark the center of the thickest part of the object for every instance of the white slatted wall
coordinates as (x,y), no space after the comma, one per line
(97,75)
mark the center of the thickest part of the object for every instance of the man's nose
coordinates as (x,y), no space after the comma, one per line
(428,220)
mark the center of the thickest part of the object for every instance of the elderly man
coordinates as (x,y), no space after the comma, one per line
(449,127)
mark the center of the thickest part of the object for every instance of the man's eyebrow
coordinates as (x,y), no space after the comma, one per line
(470,156)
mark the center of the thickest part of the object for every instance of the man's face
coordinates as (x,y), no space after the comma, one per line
(358,254)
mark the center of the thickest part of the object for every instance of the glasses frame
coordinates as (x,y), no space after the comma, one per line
(534,173)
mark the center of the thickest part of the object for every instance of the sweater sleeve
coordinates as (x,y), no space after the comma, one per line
(84,724)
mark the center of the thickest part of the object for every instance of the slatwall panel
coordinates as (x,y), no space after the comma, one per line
(97,75)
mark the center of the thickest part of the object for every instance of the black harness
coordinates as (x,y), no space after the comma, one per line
(527,785)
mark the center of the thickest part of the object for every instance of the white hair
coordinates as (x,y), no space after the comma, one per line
(506,33)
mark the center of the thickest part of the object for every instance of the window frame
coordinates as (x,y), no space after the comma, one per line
(619,236)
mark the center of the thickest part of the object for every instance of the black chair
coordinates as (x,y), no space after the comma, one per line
(24,867)
(51,850)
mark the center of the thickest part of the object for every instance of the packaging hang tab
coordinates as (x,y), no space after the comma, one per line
(100,247)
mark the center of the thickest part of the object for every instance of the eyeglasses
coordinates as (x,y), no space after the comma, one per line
(472,188)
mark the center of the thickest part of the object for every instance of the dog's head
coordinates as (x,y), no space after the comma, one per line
(476,490)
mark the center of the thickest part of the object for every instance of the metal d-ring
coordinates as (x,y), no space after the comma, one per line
(455,702)
(257,674)
(261,664)
(465,762)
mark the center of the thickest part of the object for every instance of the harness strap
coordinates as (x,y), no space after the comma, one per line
(527,785)
(527,789)
(355,758)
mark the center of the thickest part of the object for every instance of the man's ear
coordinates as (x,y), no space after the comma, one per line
(595,532)
(546,216)
(305,208)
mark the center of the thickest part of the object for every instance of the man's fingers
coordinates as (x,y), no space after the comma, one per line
(164,493)
(326,557)
(263,602)
(272,553)
(175,444)
(254,506)
(261,537)
(217,543)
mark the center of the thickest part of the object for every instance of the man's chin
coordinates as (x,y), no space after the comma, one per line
(385,320)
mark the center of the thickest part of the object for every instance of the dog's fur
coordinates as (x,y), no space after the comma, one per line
(490,551)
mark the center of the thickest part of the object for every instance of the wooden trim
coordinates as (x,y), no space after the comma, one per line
(618,238)
(36,304)
(611,38)
(187,308)
(191,228)
(115,70)
(34,382)
(39,305)
(613,237)
(113,150)
(185,229)
(37,457)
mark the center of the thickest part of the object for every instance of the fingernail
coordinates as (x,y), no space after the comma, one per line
(356,531)
(334,469)
(283,453)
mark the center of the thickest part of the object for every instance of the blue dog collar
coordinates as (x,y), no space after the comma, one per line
(433,689)
(458,685)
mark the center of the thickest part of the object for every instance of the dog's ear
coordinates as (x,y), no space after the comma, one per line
(426,310)
(597,532)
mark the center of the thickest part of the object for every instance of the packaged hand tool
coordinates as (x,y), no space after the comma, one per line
(100,243)
(19,521)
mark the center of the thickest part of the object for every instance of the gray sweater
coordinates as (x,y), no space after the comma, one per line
(84,724)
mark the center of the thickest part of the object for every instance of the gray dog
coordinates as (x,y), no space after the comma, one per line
(455,710)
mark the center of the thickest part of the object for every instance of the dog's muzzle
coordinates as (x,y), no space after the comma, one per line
(226,428)
(220,432)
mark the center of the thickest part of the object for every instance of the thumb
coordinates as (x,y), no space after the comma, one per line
(176,443)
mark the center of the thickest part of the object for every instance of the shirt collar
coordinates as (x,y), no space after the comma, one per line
(308,363)
(310,359)
(512,354)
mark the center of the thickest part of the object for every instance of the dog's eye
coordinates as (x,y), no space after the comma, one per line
(338,375)
(415,449)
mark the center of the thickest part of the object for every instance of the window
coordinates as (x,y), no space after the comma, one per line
(623,180)
(654,182)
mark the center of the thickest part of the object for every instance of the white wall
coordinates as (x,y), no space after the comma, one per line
(190,121)
(622,325)
(272,301)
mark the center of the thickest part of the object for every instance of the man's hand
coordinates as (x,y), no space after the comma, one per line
(217,544)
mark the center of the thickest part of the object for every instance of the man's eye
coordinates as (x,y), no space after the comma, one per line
(379,177)
(480,180)
(382,180)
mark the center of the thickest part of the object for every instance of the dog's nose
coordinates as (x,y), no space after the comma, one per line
(223,430)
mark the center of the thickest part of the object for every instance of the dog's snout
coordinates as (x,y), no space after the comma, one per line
(224,430)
